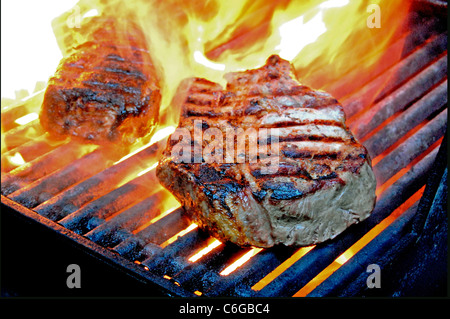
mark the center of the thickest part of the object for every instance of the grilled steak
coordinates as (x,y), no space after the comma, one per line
(107,89)
(322,181)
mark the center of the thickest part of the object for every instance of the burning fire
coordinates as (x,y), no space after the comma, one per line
(324,40)
(334,45)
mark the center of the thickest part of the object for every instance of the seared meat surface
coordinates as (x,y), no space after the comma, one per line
(106,90)
(320,179)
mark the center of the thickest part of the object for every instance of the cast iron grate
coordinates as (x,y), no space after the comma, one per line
(115,210)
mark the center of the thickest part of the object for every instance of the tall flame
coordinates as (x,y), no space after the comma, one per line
(323,39)
(331,44)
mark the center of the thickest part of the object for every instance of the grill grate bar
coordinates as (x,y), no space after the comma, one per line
(206,272)
(396,76)
(411,148)
(189,276)
(48,186)
(240,282)
(29,151)
(369,254)
(144,243)
(21,135)
(154,234)
(412,117)
(81,221)
(400,99)
(38,168)
(30,104)
(120,227)
(164,261)
(97,185)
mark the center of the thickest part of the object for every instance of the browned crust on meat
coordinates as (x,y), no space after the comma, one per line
(106,90)
(317,152)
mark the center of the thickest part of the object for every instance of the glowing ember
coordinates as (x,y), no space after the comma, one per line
(205,251)
(241,261)
(179,234)
(281,268)
(345,256)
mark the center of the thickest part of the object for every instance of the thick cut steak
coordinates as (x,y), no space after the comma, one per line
(322,181)
(107,89)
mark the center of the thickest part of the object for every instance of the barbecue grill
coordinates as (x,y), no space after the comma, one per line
(64,203)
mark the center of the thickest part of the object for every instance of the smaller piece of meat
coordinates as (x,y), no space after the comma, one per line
(107,89)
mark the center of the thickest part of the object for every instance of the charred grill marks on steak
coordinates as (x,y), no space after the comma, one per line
(323,179)
(107,89)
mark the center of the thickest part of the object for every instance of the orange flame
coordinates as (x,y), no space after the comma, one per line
(323,39)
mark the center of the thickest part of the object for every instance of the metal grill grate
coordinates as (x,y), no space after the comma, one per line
(117,208)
